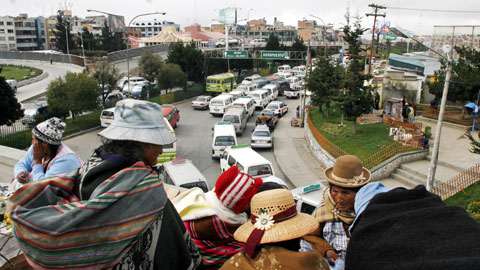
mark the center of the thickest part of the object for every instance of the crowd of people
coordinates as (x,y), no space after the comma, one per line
(112,212)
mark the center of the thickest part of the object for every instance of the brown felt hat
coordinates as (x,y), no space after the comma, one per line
(348,172)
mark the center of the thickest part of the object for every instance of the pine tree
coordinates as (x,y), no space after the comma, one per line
(358,98)
(62,30)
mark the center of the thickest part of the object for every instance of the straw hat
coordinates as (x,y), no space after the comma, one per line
(140,121)
(348,172)
(264,207)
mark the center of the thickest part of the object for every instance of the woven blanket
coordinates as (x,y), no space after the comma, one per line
(57,231)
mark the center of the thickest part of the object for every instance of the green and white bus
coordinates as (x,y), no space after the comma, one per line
(221,83)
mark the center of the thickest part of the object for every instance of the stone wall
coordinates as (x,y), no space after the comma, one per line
(386,168)
(322,155)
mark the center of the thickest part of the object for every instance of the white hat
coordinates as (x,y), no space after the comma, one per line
(50,131)
(274,179)
(140,121)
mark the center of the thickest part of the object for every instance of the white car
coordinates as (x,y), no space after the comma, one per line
(107,116)
(13,84)
(260,42)
(308,197)
(201,102)
(183,173)
(261,137)
(279,108)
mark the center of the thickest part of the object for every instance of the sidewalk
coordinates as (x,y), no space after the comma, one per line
(301,168)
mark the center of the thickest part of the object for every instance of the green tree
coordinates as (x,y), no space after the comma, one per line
(324,82)
(107,75)
(11,109)
(90,42)
(171,76)
(76,92)
(111,41)
(465,78)
(150,67)
(273,44)
(358,98)
(62,30)
(298,45)
(189,58)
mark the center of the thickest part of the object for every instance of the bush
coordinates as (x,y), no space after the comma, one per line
(473,208)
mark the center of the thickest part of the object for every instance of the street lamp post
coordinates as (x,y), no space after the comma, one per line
(436,145)
(128,47)
(323,33)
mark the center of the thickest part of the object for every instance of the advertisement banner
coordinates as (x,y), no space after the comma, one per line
(228,16)
(116,24)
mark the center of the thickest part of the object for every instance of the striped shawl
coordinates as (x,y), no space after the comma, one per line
(56,230)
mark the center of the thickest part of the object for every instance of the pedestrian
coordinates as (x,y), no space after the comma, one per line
(212,218)
(434,103)
(51,60)
(377,100)
(46,156)
(411,113)
(410,229)
(263,119)
(298,111)
(272,235)
(336,210)
(405,112)
(113,212)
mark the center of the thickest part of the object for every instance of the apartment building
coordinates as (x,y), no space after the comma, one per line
(7,34)
(260,29)
(151,28)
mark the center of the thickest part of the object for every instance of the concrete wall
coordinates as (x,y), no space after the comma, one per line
(322,155)
(57,58)
(386,168)
(136,52)
(8,158)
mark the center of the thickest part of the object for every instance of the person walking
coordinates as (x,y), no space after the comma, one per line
(113,212)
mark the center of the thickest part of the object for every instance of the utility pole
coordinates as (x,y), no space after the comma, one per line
(375,15)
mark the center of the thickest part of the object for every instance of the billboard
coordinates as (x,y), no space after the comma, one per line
(116,24)
(228,16)
(382,28)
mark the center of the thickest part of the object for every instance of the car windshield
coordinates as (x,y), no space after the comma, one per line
(216,103)
(255,96)
(224,141)
(260,170)
(268,114)
(201,99)
(272,106)
(261,134)
(231,118)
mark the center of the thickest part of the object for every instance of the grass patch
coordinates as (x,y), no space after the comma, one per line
(19,73)
(369,138)
(468,199)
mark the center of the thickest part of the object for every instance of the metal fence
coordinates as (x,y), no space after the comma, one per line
(458,183)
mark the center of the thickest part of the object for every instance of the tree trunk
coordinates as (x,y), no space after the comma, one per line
(328,109)
(354,127)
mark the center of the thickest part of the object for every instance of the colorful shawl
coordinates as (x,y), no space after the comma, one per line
(56,230)
(327,210)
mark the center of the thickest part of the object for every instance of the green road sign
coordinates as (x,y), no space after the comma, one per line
(235,54)
(274,55)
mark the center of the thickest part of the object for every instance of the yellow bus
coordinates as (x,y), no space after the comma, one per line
(170,150)
(220,83)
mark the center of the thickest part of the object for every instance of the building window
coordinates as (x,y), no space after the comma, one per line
(9,23)
(10,30)
(1,23)
(2,30)
(2,38)
(11,38)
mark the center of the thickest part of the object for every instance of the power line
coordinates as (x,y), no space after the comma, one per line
(436,10)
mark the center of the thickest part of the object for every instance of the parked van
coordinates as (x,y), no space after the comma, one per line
(107,116)
(124,81)
(284,68)
(250,79)
(236,94)
(220,104)
(247,160)
(224,135)
(294,80)
(260,82)
(172,114)
(260,97)
(295,91)
(272,91)
(247,103)
(182,173)
(169,150)
(299,69)
(284,75)
(238,117)
(247,88)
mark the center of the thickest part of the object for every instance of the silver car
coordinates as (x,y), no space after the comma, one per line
(201,102)
(261,137)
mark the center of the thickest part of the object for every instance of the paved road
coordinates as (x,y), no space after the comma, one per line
(194,136)
(54,71)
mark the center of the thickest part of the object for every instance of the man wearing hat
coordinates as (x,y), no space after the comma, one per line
(113,212)
(336,210)
(211,218)
(272,235)
(47,155)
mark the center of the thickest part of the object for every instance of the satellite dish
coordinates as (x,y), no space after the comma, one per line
(446,48)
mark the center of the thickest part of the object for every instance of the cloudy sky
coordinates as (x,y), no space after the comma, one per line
(414,15)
